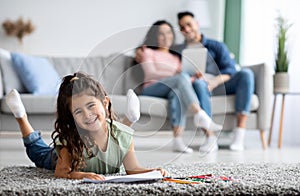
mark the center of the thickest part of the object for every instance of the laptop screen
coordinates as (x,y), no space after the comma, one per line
(194,60)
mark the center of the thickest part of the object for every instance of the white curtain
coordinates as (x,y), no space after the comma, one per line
(258,44)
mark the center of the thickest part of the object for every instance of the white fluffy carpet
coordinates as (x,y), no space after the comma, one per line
(248,179)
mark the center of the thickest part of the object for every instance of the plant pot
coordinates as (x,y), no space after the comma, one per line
(281,82)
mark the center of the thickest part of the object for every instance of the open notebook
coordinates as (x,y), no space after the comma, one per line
(148,176)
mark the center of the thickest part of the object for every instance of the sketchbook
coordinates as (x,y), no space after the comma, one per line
(148,176)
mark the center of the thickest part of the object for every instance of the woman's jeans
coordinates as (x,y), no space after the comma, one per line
(39,152)
(178,86)
(241,84)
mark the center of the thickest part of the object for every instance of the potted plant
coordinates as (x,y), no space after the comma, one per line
(281,76)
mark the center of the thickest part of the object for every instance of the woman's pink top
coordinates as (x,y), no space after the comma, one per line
(158,65)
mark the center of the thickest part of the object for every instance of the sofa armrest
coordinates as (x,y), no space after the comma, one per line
(1,84)
(263,89)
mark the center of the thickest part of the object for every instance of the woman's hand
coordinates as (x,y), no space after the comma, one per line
(139,54)
(198,75)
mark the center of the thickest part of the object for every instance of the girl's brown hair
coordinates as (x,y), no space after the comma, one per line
(71,136)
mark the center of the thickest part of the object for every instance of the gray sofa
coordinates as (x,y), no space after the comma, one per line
(118,73)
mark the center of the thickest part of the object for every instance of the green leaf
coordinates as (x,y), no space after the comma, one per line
(281,61)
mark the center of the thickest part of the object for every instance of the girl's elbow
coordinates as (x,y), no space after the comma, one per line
(58,174)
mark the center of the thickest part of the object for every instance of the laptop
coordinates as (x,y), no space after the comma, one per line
(194,60)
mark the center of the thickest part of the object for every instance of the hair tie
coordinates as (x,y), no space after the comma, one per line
(74,78)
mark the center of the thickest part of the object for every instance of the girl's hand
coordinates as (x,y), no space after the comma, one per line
(93,176)
(163,172)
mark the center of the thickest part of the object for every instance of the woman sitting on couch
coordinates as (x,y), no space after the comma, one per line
(163,78)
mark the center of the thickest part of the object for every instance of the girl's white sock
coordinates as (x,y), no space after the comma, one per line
(133,106)
(14,102)
(202,120)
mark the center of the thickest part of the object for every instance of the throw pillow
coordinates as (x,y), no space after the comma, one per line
(10,76)
(37,74)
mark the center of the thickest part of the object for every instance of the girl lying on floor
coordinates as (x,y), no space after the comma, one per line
(88,141)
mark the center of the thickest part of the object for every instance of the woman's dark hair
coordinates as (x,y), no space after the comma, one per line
(71,136)
(151,39)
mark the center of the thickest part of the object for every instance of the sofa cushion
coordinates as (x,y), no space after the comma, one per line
(226,104)
(70,65)
(220,105)
(153,106)
(116,72)
(136,74)
(109,71)
(119,103)
(113,76)
(37,74)
(35,104)
(65,65)
(10,76)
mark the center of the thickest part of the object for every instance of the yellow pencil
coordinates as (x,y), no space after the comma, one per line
(180,181)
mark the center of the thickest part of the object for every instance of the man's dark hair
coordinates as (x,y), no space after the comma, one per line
(182,14)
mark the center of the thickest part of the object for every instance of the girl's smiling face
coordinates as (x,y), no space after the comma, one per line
(88,112)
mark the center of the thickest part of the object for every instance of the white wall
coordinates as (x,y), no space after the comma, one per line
(259,45)
(76,27)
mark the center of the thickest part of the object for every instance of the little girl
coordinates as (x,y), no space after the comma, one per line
(87,138)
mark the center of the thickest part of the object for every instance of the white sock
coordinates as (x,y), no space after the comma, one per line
(14,102)
(133,106)
(210,144)
(179,146)
(201,119)
(238,140)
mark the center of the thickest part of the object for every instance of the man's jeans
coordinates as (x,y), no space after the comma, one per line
(241,84)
